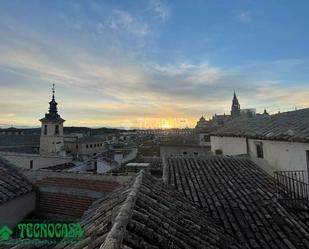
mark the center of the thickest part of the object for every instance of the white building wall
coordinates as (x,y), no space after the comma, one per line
(202,140)
(229,145)
(280,155)
(184,150)
(39,161)
(121,158)
(104,166)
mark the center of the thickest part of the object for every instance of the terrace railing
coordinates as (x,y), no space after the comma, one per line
(292,190)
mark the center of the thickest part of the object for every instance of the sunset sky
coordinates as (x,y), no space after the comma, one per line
(150,63)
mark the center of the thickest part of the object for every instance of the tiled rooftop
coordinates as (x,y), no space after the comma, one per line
(241,197)
(146,214)
(292,126)
(12,183)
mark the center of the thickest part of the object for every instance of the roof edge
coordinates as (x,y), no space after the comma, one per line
(262,137)
(115,236)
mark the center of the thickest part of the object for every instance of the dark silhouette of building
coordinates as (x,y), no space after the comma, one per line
(265,112)
(235,111)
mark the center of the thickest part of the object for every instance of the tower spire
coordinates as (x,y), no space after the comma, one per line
(52,114)
(53,110)
(235,111)
(265,112)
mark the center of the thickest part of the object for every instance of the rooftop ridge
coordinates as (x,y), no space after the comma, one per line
(116,234)
(164,169)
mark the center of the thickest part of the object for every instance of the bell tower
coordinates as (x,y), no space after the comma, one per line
(235,112)
(51,139)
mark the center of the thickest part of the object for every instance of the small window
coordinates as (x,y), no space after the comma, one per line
(90,145)
(45,129)
(57,130)
(87,146)
(185,153)
(95,145)
(31,164)
(95,166)
(76,146)
(195,153)
(259,150)
(207,138)
(218,152)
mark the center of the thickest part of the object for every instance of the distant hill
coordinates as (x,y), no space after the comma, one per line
(83,130)
(92,131)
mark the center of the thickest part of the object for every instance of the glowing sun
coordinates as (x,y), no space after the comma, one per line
(166,126)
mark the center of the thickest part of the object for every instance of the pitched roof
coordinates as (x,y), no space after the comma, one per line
(241,197)
(146,214)
(12,183)
(292,126)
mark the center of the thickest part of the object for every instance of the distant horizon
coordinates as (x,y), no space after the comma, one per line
(152,63)
(99,127)
(5,126)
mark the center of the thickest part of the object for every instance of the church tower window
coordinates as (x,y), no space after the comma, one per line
(57,130)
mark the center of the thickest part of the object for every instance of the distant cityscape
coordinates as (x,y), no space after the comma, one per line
(154,124)
(232,165)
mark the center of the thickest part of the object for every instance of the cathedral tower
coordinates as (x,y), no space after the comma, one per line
(51,139)
(235,112)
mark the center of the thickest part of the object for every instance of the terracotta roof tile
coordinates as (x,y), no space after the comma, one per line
(241,197)
(12,183)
